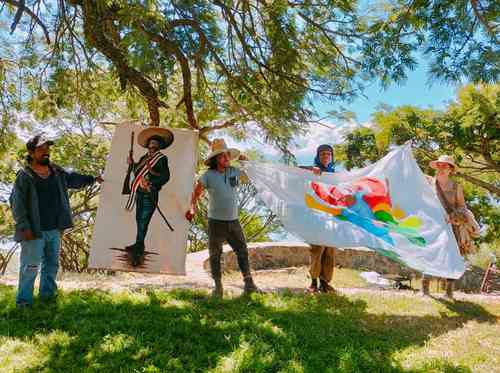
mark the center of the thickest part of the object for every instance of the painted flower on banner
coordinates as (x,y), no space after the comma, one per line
(367,204)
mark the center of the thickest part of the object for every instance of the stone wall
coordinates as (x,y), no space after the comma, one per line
(266,255)
(274,255)
(270,255)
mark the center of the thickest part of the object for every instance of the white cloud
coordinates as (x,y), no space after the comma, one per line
(255,140)
(323,133)
(303,147)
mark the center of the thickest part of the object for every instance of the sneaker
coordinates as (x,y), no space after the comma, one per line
(313,289)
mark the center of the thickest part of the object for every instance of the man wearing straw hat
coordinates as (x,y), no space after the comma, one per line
(151,173)
(221,180)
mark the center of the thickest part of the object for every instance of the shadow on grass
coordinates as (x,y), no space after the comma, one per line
(185,331)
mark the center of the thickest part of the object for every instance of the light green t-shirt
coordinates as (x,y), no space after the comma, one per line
(222,192)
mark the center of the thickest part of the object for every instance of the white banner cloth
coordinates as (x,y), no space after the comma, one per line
(115,228)
(388,206)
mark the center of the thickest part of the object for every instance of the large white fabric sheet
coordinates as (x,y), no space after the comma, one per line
(396,212)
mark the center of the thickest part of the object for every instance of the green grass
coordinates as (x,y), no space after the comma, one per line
(184,331)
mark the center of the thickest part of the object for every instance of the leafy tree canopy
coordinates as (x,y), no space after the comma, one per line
(227,63)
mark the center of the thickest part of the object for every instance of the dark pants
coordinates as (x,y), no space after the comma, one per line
(220,231)
(144,210)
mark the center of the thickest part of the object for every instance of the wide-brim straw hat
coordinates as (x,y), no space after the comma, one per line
(147,133)
(218,147)
(443,159)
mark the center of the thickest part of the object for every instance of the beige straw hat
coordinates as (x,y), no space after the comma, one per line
(444,159)
(218,147)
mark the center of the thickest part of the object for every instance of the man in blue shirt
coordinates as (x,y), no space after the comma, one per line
(221,181)
(41,210)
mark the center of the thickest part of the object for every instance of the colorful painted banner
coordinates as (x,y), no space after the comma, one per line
(115,230)
(388,206)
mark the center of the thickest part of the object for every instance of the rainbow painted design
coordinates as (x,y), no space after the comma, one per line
(367,204)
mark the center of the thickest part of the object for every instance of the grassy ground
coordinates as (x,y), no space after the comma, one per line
(152,330)
(297,278)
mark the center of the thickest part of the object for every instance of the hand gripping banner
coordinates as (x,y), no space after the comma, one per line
(388,207)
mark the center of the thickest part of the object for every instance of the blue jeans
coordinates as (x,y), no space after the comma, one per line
(40,253)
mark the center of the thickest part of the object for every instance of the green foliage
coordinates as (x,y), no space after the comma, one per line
(459,37)
(484,256)
(8,168)
(473,121)
(359,149)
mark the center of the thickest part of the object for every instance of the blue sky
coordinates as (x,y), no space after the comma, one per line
(416,91)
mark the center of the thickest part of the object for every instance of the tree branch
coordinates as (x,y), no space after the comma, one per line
(489,187)
(22,8)
(226,124)
(95,33)
(475,8)
(169,47)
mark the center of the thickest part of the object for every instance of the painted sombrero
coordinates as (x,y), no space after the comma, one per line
(165,136)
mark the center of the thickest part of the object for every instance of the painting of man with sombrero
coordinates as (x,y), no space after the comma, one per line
(151,173)
(140,224)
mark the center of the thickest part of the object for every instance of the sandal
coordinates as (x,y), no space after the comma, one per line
(325,287)
(313,288)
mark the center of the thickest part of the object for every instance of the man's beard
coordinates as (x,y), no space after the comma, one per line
(153,149)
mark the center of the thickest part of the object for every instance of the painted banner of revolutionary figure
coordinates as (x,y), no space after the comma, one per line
(140,224)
